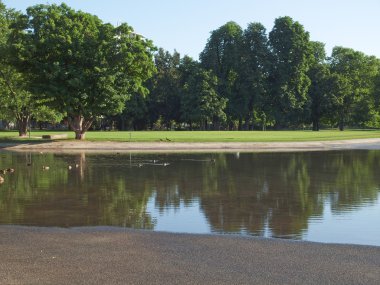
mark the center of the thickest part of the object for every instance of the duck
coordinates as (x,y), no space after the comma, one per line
(70,167)
(11,170)
(3,171)
(1,179)
(45,167)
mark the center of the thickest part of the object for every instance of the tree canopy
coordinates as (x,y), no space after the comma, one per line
(17,101)
(291,51)
(81,66)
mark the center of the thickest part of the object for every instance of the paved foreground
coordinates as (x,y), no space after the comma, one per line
(117,256)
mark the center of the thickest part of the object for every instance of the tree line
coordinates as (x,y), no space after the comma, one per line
(248,79)
(60,64)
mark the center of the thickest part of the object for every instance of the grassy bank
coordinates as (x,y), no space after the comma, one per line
(209,136)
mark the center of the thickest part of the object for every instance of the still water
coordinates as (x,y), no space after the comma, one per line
(315,196)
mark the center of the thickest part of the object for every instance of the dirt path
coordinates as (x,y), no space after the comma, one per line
(194,146)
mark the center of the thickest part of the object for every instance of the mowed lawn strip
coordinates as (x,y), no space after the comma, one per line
(206,136)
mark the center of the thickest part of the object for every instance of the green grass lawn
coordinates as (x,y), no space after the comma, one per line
(208,136)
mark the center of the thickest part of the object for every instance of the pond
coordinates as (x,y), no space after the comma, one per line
(315,196)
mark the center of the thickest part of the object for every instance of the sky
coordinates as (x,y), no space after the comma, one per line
(186,25)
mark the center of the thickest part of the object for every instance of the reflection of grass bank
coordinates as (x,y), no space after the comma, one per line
(204,136)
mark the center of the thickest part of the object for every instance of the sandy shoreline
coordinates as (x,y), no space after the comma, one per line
(107,146)
(122,256)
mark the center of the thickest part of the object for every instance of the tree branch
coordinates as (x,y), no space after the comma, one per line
(7,83)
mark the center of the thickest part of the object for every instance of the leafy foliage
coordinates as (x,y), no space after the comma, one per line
(254,70)
(17,102)
(201,102)
(291,51)
(222,56)
(357,73)
(164,99)
(82,66)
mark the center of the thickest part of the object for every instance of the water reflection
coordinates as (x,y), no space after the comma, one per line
(265,194)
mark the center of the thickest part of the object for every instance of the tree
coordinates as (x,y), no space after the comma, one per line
(339,104)
(376,93)
(83,67)
(254,70)
(201,103)
(17,102)
(135,113)
(222,55)
(291,52)
(164,98)
(317,94)
(359,71)
(187,68)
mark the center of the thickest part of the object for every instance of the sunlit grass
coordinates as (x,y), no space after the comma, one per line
(205,136)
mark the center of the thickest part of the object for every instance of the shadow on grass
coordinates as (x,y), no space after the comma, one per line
(15,141)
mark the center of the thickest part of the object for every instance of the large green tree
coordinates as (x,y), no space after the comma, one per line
(359,71)
(17,102)
(135,115)
(201,103)
(318,73)
(222,55)
(339,102)
(254,71)
(376,96)
(85,68)
(292,53)
(164,98)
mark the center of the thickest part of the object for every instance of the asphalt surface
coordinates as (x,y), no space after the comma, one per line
(117,256)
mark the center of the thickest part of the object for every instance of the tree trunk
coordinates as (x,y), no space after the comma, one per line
(231,126)
(341,125)
(22,124)
(80,135)
(80,125)
(203,125)
(315,125)
(216,125)
(122,123)
(240,124)
(264,121)
(248,124)
(249,116)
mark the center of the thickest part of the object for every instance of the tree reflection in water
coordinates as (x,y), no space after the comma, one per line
(245,193)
